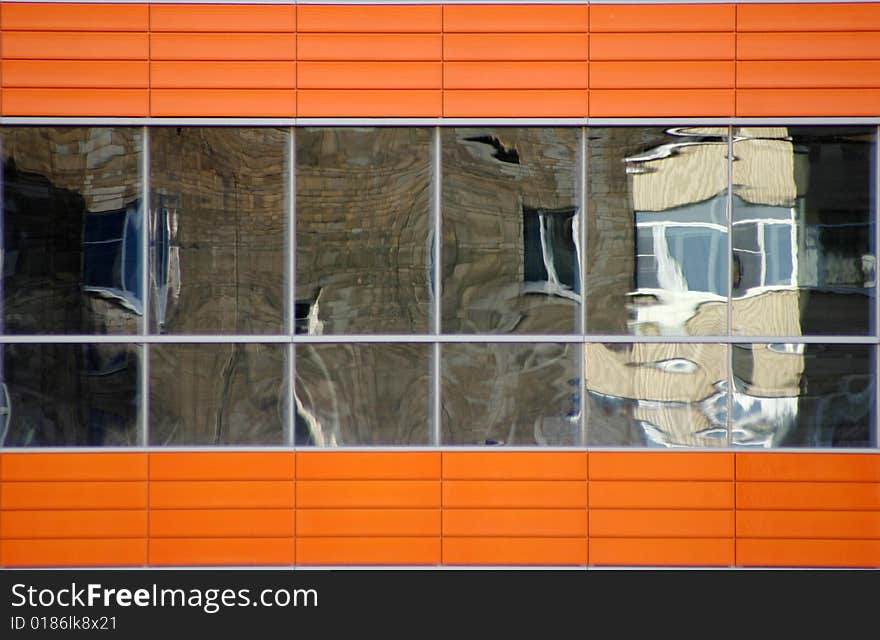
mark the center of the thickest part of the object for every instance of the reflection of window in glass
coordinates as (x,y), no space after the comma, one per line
(165,262)
(681,257)
(111,255)
(764,254)
(551,251)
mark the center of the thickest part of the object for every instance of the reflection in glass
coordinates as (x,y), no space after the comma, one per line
(72,225)
(362,227)
(511,246)
(363,394)
(217,394)
(55,395)
(803,230)
(657,231)
(511,394)
(656,395)
(803,395)
(217,241)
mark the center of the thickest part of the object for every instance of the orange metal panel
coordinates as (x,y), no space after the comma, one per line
(222,46)
(254,494)
(362,18)
(74,553)
(515,551)
(685,465)
(809,17)
(808,524)
(223,75)
(412,103)
(368,551)
(696,552)
(661,103)
(226,17)
(75,102)
(653,523)
(808,495)
(221,551)
(550,103)
(514,465)
(342,494)
(74,17)
(370,75)
(221,523)
(113,74)
(808,553)
(44,45)
(72,495)
(266,103)
(515,75)
(263,465)
(525,523)
(515,494)
(662,46)
(809,73)
(75,524)
(808,46)
(658,18)
(661,75)
(369,46)
(512,18)
(807,102)
(515,46)
(661,495)
(19,467)
(368,522)
(358,465)
(818,467)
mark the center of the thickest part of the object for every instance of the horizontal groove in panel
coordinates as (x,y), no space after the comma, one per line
(367,522)
(221,523)
(369,46)
(370,75)
(362,18)
(240,103)
(662,46)
(657,103)
(656,523)
(514,465)
(653,18)
(350,465)
(515,75)
(808,46)
(515,551)
(74,553)
(537,523)
(523,103)
(514,19)
(74,524)
(253,494)
(808,73)
(662,75)
(341,494)
(222,46)
(662,551)
(67,495)
(223,74)
(75,46)
(221,551)
(816,467)
(74,17)
(368,103)
(808,553)
(225,17)
(73,466)
(368,551)
(99,74)
(210,465)
(808,524)
(76,102)
(660,495)
(809,17)
(690,465)
(515,46)
(808,495)
(515,494)
(807,102)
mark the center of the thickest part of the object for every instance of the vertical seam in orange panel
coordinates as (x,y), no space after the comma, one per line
(442,114)
(735,113)
(583,169)
(149,507)
(293,488)
(149,98)
(587,497)
(735,520)
(442,453)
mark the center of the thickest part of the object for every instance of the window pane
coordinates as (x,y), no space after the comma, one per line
(218,229)
(72,224)
(207,394)
(362,224)
(363,394)
(511,394)
(807,195)
(511,246)
(657,231)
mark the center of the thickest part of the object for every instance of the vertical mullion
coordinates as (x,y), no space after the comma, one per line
(146,266)
(436,178)
(291,287)
(876,328)
(582,270)
(729,213)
